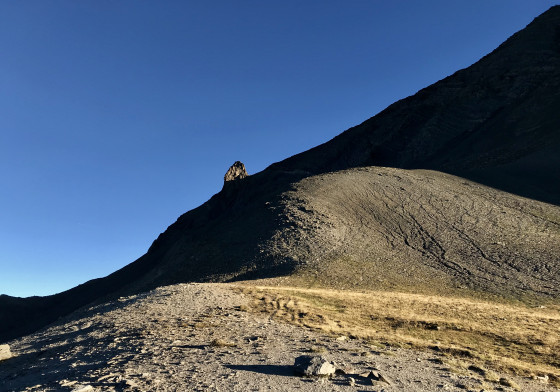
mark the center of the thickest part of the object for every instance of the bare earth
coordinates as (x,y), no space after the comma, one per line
(162,341)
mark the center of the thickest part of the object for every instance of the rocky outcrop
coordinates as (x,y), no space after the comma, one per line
(236,172)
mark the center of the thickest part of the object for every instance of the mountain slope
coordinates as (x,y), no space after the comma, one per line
(369,228)
(372,227)
(496,122)
(398,229)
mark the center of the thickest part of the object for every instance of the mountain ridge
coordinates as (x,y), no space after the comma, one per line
(441,126)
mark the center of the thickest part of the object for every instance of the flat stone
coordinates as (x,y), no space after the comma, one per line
(377,376)
(385,379)
(373,375)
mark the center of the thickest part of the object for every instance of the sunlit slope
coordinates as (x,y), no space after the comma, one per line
(392,228)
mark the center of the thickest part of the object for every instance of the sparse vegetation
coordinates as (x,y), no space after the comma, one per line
(242,308)
(471,335)
(222,343)
(318,349)
(509,383)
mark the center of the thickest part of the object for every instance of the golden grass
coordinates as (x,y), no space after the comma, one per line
(516,339)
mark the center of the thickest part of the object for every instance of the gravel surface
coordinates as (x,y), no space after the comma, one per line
(201,337)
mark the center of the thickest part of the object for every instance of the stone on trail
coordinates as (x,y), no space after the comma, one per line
(313,366)
(343,369)
(376,376)
(5,352)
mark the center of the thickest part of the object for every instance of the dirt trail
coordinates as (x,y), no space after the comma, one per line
(162,341)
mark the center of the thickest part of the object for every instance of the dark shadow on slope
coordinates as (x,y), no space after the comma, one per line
(217,241)
(44,364)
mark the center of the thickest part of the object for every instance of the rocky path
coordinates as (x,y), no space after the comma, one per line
(200,337)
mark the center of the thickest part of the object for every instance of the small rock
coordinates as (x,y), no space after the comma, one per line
(376,376)
(313,366)
(130,383)
(351,381)
(373,375)
(5,352)
(108,376)
(344,369)
(83,388)
(67,383)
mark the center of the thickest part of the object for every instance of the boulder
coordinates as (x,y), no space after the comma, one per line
(5,352)
(313,366)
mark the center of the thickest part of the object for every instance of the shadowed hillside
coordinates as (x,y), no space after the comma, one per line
(328,216)
(494,122)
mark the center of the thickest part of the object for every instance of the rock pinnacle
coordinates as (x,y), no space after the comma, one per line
(236,172)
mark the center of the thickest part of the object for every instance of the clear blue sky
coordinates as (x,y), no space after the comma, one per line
(118,116)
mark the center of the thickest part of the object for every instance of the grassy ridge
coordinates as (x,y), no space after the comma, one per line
(482,335)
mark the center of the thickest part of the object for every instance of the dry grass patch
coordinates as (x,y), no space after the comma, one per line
(509,383)
(222,343)
(514,338)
